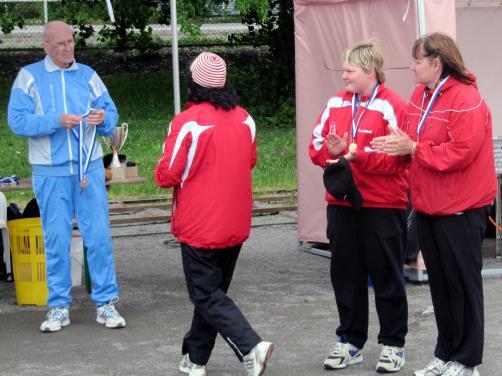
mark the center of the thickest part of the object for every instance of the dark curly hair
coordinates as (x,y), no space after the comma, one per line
(226,97)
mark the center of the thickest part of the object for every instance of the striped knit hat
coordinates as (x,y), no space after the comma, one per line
(209,70)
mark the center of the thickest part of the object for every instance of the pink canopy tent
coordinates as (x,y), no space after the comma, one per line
(479,28)
(323,29)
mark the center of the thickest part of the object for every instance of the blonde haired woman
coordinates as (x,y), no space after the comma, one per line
(366,225)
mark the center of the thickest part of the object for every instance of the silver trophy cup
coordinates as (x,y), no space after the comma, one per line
(115,143)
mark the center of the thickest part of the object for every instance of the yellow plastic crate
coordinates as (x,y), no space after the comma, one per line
(28,260)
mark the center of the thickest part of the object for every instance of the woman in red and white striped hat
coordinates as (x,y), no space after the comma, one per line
(209,154)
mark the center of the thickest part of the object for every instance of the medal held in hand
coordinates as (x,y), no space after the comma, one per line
(83,165)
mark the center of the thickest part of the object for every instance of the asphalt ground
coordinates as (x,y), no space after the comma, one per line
(285,293)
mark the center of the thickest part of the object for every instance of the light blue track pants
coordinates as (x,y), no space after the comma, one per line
(59,199)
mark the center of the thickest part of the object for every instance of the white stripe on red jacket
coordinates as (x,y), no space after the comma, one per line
(208,158)
(381,179)
(453,168)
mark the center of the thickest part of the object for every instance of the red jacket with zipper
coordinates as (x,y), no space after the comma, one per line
(381,179)
(453,168)
(208,157)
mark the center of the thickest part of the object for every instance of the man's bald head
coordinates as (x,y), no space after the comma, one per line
(55,28)
(59,43)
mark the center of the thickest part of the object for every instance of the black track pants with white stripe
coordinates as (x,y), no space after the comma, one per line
(208,274)
(451,246)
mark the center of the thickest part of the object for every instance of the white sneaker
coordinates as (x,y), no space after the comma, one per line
(256,361)
(458,369)
(343,355)
(435,368)
(391,359)
(191,369)
(108,315)
(56,319)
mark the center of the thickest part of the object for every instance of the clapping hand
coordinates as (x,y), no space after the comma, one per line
(350,156)
(395,144)
(335,143)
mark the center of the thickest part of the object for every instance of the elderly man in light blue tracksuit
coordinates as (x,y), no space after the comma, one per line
(61,106)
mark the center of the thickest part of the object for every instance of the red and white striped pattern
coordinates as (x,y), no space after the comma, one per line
(209,70)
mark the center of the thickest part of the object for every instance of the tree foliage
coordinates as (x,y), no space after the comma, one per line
(276,31)
(258,7)
(131,29)
(9,18)
(270,24)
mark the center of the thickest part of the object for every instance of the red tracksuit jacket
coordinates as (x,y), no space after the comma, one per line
(453,168)
(381,179)
(208,158)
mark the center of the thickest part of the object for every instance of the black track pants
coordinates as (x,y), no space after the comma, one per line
(370,242)
(208,275)
(451,246)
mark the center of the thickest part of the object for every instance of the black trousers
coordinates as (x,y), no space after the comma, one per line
(208,274)
(451,247)
(370,242)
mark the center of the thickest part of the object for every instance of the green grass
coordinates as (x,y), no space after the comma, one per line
(145,101)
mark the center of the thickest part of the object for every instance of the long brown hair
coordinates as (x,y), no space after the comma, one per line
(443,47)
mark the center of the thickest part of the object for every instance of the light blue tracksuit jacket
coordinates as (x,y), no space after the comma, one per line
(41,93)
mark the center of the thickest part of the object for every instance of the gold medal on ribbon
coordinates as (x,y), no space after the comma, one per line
(352,148)
(84,183)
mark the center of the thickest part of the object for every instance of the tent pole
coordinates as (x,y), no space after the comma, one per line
(176,69)
(421,18)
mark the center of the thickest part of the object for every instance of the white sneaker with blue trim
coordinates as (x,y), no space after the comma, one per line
(343,355)
(108,315)
(57,318)
(391,359)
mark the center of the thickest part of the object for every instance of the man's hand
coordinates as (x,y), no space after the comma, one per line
(335,143)
(70,121)
(96,117)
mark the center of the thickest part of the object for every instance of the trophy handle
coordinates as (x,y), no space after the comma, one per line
(125,126)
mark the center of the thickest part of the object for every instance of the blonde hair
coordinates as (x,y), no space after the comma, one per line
(367,56)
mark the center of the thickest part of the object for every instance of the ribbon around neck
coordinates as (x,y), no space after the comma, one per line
(429,106)
(355,100)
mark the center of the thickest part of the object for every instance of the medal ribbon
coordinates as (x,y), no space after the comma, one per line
(355,100)
(429,106)
(83,166)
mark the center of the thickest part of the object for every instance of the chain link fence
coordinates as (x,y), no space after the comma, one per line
(214,30)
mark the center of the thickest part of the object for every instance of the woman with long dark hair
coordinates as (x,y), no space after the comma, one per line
(209,154)
(453,183)
(225,97)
